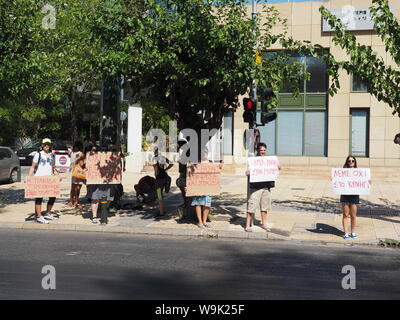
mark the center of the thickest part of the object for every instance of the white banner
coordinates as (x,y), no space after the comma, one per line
(351,181)
(263,168)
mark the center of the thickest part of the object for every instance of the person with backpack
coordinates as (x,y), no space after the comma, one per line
(43,164)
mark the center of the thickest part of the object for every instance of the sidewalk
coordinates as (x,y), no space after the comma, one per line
(303,210)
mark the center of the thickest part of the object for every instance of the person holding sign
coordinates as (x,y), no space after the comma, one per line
(349,205)
(202,204)
(43,164)
(260,192)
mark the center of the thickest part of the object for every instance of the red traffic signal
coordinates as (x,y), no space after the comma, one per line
(249,104)
(249,114)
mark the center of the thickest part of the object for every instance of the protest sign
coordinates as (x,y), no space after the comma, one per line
(42,187)
(263,168)
(103,168)
(203,179)
(351,181)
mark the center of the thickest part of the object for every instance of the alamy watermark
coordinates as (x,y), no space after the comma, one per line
(49,280)
(349,281)
(49,20)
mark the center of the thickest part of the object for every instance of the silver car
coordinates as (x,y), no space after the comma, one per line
(9,165)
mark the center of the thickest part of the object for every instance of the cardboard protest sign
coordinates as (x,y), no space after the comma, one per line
(263,168)
(203,179)
(103,168)
(42,187)
(351,181)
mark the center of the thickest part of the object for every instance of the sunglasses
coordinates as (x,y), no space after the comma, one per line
(351,161)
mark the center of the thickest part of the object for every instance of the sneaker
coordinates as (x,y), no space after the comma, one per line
(41,220)
(346,236)
(353,235)
(94,220)
(50,217)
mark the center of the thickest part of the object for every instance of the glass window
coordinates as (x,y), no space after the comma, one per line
(358,85)
(359,133)
(287,88)
(315,133)
(267,134)
(228,133)
(318,76)
(290,133)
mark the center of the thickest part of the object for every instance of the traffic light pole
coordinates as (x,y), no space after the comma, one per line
(253,90)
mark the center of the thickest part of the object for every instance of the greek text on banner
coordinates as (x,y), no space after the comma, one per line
(263,168)
(351,181)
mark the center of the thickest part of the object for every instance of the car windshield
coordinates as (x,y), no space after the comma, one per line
(31,144)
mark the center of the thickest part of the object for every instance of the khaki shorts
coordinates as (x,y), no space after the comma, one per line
(259,200)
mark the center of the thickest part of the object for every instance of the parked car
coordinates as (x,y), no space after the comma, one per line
(28,151)
(9,165)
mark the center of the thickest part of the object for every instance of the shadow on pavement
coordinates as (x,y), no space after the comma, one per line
(322,228)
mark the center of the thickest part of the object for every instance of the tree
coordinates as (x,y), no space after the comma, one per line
(194,57)
(46,66)
(382,81)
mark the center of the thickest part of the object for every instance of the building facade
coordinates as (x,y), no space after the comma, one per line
(315,128)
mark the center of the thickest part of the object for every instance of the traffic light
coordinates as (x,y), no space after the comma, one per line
(249,114)
(267,95)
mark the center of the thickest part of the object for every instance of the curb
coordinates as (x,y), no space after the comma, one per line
(208,234)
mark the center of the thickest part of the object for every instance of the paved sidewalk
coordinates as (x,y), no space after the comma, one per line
(303,210)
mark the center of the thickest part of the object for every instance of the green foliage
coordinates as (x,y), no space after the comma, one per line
(193,58)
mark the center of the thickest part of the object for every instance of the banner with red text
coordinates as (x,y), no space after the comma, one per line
(263,168)
(203,179)
(42,187)
(103,168)
(351,181)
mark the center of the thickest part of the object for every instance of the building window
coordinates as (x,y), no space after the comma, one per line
(227,133)
(315,133)
(359,127)
(301,125)
(357,85)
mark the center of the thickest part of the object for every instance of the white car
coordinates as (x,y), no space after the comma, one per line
(9,165)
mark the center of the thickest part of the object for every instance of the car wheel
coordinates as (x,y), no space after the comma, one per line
(14,176)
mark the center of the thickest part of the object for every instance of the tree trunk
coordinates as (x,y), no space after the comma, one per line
(74,134)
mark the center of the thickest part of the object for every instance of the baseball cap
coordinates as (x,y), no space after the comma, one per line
(46,140)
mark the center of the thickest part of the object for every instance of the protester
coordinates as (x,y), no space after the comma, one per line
(349,205)
(181,181)
(78,175)
(146,190)
(163,180)
(97,192)
(202,204)
(78,179)
(43,164)
(91,147)
(259,195)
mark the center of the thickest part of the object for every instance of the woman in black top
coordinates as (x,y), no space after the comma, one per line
(349,204)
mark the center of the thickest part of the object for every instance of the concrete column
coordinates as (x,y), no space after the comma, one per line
(134,162)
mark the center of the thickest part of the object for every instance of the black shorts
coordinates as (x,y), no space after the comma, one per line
(350,198)
(50,202)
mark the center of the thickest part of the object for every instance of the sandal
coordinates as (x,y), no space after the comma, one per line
(266,228)
(248,229)
(201,226)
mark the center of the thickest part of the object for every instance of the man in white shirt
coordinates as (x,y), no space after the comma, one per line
(43,164)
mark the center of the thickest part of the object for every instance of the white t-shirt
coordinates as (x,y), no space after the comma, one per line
(47,162)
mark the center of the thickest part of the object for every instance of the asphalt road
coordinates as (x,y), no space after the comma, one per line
(118,266)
